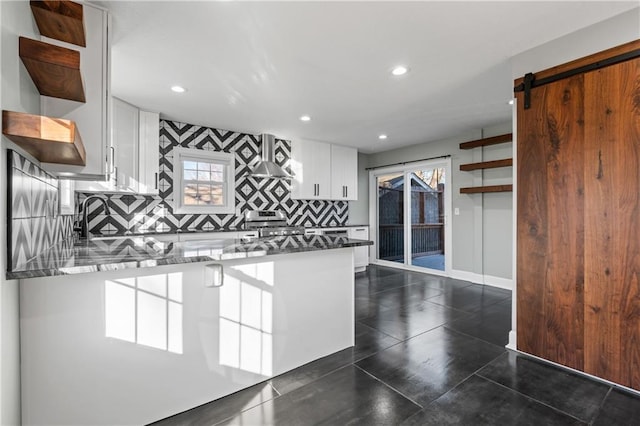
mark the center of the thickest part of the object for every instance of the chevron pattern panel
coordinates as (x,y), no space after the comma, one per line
(34,224)
(144,213)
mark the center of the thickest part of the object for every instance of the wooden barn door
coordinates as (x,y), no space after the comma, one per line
(578,225)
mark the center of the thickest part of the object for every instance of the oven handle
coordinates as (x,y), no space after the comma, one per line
(335,232)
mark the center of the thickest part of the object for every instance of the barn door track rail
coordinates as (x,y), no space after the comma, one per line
(530,80)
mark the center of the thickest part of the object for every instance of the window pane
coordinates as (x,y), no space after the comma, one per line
(190,165)
(204,194)
(204,176)
(217,176)
(190,175)
(191,194)
(217,195)
(217,167)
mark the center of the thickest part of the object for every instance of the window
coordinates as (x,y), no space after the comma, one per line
(204,181)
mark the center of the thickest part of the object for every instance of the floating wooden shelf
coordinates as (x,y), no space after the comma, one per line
(487,141)
(50,140)
(483,189)
(55,70)
(487,165)
(62,20)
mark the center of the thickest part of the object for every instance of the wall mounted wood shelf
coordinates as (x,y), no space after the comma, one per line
(483,189)
(487,165)
(50,140)
(55,70)
(61,20)
(487,141)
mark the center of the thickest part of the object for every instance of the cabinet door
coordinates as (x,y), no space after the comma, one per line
(344,173)
(92,116)
(361,254)
(124,140)
(311,164)
(148,151)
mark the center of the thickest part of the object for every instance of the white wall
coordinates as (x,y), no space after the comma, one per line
(359,210)
(609,33)
(17,93)
(482,232)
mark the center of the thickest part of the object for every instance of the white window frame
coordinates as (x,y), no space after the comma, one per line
(228,160)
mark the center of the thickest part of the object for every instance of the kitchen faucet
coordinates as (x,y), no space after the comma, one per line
(85,225)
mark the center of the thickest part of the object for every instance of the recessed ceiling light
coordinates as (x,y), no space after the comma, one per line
(178,89)
(305,118)
(399,70)
(382,137)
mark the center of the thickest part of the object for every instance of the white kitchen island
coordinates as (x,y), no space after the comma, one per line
(138,344)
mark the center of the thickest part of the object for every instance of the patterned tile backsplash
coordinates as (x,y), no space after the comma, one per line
(34,223)
(145,213)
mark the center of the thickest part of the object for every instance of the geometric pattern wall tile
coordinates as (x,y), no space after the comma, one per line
(139,213)
(34,223)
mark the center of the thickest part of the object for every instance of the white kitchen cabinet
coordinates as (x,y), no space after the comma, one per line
(124,143)
(148,152)
(360,254)
(344,173)
(135,136)
(117,338)
(91,117)
(311,166)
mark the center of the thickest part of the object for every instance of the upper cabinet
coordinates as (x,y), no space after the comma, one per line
(344,173)
(311,166)
(148,152)
(92,115)
(134,151)
(124,143)
(323,171)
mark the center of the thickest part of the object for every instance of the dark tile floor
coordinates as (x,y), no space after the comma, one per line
(429,351)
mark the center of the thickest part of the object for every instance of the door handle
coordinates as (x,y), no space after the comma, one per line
(214,275)
(113,160)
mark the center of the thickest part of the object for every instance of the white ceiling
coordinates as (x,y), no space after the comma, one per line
(258,66)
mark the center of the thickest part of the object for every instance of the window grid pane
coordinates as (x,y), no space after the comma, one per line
(205,182)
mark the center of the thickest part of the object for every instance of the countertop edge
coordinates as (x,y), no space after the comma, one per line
(175,260)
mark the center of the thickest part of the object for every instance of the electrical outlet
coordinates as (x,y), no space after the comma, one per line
(456,211)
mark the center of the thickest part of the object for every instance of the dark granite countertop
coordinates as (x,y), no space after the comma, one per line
(145,251)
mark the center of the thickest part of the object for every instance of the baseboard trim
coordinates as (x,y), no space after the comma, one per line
(580,373)
(504,283)
(466,276)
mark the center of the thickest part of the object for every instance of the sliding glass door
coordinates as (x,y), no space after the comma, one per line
(391,217)
(410,210)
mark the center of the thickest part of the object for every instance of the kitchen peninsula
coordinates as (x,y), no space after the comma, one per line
(167,326)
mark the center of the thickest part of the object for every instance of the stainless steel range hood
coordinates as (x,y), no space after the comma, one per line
(267,168)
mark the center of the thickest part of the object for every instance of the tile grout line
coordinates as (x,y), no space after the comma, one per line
(473,337)
(390,387)
(379,331)
(601,405)
(531,398)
